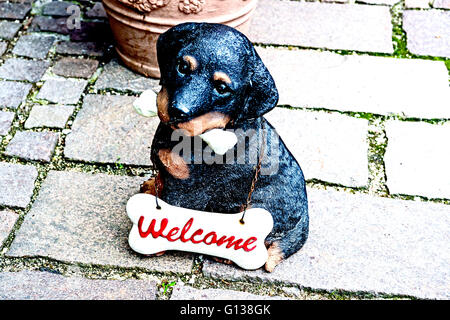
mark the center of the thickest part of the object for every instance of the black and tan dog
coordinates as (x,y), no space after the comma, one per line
(212,77)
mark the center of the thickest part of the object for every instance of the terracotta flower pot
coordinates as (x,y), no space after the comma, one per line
(136,24)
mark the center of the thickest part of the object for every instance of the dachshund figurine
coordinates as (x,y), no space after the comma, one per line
(212,78)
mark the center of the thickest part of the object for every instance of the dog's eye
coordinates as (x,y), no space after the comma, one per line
(183,67)
(221,87)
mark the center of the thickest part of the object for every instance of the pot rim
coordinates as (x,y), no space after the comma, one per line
(148,22)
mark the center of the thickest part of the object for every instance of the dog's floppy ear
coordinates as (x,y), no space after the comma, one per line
(262,93)
(170,43)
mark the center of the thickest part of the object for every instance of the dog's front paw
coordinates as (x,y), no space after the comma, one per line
(150,186)
(221,260)
(275,257)
(158,254)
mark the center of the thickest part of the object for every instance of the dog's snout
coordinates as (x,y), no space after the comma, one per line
(181,107)
(179,111)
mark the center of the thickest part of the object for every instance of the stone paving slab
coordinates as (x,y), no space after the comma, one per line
(417,159)
(7,220)
(441,4)
(329,147)
(48,24)
(6,119)
(36,285)
(337,1)
(14,10)
(386,2)
(17,184)
(379,85)
(92,31)
(3,47)
(9,29)
(34,46)
(49,116)
(75,68)
(81,218)
(18,1)
(417,4)
(56,8)
(428,32)
(80,48)
(115,76)
(181,292)
(62,91)
(31,145)
(97,11)
(323,25)
(108,130)
(12,94)
(363,243)
(21,69)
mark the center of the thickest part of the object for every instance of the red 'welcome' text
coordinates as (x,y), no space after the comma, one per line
(197,236)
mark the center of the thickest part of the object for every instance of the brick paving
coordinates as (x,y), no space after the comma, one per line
(25,70)
(416,159)
(76,68)
(49,116)
(318,25)
(80,48)
(9,29)
(364,107)
(181,292)
(8,219)
(377,245)
(91,228)
(427,32)
(3,47)
(34,46)
(49,24)
(6,119)
(31,145)
(61,90)
(12,94)
(359,83)
(14,10)
(329,147)
(115,131)
(17,184)
(441,4)
(56,8)
(116,76)
(35,285)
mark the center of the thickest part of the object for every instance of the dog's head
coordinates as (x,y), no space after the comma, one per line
(211,75)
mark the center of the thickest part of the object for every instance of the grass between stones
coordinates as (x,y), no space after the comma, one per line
(398,34)
(399,37)
(399,41)
(377,148)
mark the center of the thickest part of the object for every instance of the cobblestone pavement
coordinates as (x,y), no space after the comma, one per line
(364,107)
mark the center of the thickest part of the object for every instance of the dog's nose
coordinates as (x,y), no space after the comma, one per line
(179,111)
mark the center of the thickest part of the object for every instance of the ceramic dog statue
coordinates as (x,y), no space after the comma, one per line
(212,78)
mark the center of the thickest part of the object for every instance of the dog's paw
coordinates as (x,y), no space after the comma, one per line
(224,261)
(158,254)
(149,187)
(275,257)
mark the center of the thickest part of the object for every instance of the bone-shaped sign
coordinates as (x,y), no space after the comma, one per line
(216,234)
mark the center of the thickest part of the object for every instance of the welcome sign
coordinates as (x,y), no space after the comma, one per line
(216,234)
